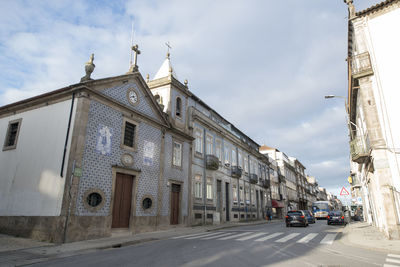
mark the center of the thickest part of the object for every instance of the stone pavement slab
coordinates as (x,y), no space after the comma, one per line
(10,243)
(363,235)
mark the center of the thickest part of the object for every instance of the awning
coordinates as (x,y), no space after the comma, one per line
(277,204)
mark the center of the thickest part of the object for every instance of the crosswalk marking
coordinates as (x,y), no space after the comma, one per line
(268,237)
(307,238)
(234,236)
(250,236)
(216,236)
(393,260)
(183,236)
(201,236)
(328,239)
(288,237)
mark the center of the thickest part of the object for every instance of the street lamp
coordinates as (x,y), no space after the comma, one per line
(349,122)
(333,96)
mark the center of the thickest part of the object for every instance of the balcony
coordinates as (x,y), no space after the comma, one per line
(253,178)
(361,65)
(265,183)
(359,149)
(236,172)
(212,162)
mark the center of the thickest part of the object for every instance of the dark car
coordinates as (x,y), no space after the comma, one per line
(310,217)
(335,217)
(296,217)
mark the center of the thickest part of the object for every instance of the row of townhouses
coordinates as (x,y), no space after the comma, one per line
(372,105)
(136,155)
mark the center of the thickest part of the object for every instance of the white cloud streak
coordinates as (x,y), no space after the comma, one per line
(264,65)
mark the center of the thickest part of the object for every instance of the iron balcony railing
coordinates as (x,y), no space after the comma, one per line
(236,172)
(253,178)
(265,183)
(359,148)
(212,162)
(361,65)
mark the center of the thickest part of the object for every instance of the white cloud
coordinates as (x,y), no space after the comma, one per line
(264,66)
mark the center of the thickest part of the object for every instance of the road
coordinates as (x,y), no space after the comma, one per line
(258,245)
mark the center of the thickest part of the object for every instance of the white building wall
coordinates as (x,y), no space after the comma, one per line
(385,57)
(30,181)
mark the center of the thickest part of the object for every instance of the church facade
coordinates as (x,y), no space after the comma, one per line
(85,160)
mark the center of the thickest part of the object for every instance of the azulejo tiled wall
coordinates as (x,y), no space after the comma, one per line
(97,164)
(119,93)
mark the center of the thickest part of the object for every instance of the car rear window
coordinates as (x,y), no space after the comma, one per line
(336,213)
(295,213)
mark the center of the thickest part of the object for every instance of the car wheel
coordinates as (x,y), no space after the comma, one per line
(287,225)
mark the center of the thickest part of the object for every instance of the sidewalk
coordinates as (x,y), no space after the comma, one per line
(363,235)
(15,251)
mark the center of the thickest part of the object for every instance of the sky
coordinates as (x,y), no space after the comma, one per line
(264,65)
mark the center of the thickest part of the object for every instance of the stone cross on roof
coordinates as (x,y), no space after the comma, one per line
(169,47)
(134,66)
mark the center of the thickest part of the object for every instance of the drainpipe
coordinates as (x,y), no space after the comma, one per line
(270,190)
(67,136)
(204,177)
(244,182)
(238,183)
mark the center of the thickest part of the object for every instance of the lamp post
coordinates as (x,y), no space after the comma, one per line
(349,122)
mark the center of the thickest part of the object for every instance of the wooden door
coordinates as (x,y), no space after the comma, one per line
(175,203)
(122,200)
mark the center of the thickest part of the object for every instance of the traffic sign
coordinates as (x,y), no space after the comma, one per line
(344,192)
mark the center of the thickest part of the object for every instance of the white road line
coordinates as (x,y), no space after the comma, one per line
(183,236)
(328,239)
(390,265)
(249,237)
(307,238)
(288,237)
(201,236)
(234,236)
(217,236)
(268,237)
(393,260)
(393,255)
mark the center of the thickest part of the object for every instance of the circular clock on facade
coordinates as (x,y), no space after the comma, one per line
(133,97)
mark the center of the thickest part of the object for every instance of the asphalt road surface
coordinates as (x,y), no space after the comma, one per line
(260,245)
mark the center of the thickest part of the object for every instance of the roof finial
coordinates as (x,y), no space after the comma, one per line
(89,68)
(168,48)
(352,10)
(186,82)
(147,77)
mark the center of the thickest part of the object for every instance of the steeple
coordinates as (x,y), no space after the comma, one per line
(166,69)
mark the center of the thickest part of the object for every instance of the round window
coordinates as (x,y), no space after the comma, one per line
(147,203)
(94,199)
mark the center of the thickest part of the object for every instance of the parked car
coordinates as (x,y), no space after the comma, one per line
(335,217)
(310,216)
(296,217)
